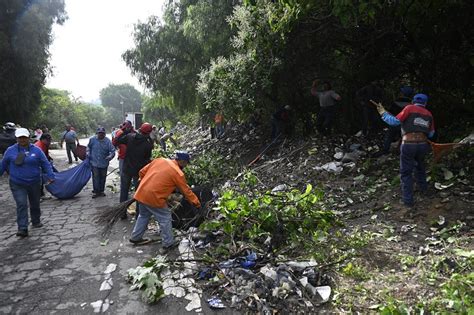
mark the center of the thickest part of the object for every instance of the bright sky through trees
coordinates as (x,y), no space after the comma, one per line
(86,51)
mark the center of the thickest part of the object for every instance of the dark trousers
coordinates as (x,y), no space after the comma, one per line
(125,182)
(71,147)
(325,119)
(370,119)
(99,176)
(22,195)
(412,161)
(163,144)
(276,127)
(392,134)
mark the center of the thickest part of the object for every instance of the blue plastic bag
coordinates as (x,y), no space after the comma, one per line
(70,182)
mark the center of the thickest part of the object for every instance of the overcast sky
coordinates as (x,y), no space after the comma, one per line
(87,48)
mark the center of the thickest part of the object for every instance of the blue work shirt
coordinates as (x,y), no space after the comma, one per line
(100,152)
(30,171)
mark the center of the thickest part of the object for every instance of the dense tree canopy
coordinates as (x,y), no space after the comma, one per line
(270,52)
(25,36)
(58,109)
(169,55)
(120,99)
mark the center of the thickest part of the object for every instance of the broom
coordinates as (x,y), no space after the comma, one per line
(112,214)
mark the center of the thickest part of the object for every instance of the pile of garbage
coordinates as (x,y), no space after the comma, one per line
(252,284)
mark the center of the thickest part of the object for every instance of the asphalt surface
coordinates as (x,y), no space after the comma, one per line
(59,268)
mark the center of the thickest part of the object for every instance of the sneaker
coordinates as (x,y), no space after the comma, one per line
(22,233)
(141,241)
(102,194)
(94,195)
(38,225)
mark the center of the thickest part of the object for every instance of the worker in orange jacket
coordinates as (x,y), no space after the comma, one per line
(158,180)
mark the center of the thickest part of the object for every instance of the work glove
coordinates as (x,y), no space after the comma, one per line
(380,107)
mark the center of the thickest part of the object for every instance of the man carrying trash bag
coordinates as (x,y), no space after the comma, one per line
(158,180)
(24,163)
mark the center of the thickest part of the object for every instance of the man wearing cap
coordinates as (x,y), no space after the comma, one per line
(100,151)
(125,128)
(417,125)
(139,147)
(158,180)
(24,163)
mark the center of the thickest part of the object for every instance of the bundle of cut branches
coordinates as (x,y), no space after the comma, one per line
(113,214)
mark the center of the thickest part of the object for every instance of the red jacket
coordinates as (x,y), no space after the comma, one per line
(122,148)
(43,148)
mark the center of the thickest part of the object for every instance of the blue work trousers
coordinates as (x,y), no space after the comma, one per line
(412,162)
(162,215)
(22,195)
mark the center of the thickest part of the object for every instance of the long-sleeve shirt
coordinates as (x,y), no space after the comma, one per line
(158,180)
(413,118)
(138,155)
(100,152)
(43,148)
(29,172)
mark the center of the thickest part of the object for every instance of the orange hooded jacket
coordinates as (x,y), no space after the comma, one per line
(158,180)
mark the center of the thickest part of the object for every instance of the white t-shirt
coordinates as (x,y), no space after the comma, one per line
(327,98)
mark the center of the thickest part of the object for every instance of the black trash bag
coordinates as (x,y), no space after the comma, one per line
(186,215)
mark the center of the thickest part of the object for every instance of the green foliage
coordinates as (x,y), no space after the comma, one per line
(292,215)
(209,169)
(148,279)
(122,98)
(457,294)
(169,55)
(244,81)
(25,37)
(57,109)
(158,110)
(355,271)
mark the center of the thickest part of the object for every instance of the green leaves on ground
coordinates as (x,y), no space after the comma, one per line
(287,217)
(148,279)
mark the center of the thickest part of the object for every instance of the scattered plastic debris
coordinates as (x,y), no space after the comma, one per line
(215,303)
(440,186)
(282,187)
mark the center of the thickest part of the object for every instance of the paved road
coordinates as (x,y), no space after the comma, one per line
(59,268)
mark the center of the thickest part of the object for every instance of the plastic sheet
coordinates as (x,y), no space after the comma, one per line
(70,182)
